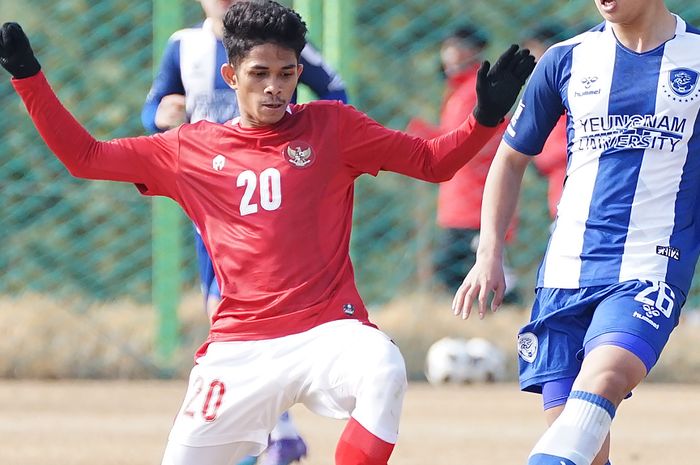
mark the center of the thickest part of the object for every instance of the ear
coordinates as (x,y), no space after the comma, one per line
(228,72)
(300,69)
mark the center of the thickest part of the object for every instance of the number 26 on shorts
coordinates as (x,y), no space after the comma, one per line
(664,301)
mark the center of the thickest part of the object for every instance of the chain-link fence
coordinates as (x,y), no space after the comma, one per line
(404,37)
(79,242)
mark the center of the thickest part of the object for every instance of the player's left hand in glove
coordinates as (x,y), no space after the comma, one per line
(498,87)
(16,55)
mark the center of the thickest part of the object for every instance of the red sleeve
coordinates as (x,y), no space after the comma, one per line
(421,128)
(150,162)
(369,147)
(552,159)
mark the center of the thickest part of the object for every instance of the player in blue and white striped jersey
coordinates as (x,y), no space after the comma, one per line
(626,240)
(189,88)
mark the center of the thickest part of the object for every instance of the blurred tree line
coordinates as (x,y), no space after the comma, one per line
(62,235)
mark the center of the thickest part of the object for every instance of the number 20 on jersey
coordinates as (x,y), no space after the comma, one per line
(264,191)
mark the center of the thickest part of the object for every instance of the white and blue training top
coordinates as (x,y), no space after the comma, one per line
(630,206)
(191,66)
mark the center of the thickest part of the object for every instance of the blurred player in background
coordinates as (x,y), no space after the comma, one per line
(272,194)
(625,244)
(552,161)
(189,88)
(459,199)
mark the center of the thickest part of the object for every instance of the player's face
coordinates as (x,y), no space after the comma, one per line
(216,8)
(457,57)
(536,48)
(623,11)
(265,80)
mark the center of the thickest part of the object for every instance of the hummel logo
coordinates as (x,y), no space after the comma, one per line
(588,81)
(218,162)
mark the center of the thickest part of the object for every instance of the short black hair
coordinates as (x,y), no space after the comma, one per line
(255,22)
(469,34)
(547,34)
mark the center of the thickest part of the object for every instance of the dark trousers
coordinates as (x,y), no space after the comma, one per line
(455,255)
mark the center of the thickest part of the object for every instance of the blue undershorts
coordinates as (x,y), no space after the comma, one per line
(567,323)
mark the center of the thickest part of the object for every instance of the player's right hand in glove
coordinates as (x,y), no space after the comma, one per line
(498,87)
(16,55)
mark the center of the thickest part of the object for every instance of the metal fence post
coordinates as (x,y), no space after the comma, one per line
(311,12)
(168,16)
(338,30)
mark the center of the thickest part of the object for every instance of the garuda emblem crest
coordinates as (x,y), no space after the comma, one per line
(299,154)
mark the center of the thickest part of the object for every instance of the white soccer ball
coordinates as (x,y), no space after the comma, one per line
(447,361)
(458,360)
(487,361)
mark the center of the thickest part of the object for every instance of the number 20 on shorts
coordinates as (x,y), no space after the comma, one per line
(205,404)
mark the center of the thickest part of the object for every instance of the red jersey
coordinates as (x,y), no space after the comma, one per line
(551,162)
(274,204)
(459,199)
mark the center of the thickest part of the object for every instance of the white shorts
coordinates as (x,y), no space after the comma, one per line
(238,390)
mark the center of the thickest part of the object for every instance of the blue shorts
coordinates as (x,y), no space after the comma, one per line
(636,315)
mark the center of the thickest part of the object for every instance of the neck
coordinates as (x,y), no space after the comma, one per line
(654,27)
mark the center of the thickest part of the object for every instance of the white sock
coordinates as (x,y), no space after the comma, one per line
(579,432)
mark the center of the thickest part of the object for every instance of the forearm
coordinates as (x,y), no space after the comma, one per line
(447,154)
(148,116)
(66,138)
(149,161)
(422,128)
(168,81)
(500,199)
(371,147)
(80,153)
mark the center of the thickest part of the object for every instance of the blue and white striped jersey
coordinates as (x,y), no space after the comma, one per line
(630,206)
(191,66)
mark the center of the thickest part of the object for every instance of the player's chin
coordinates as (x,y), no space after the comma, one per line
(271,114)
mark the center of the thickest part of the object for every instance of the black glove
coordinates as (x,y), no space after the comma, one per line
(16,55)
(498,87)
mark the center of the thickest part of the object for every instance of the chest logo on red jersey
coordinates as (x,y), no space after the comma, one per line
(299,154)
(218,162)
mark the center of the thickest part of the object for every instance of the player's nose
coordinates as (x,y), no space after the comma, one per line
(274,86)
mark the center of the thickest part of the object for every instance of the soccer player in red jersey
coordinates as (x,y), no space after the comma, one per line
(272,194)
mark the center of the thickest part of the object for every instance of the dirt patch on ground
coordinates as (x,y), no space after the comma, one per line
(126,423)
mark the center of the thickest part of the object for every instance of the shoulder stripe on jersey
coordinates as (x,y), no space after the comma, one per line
(688,29)
(577,39)
(177,35)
